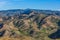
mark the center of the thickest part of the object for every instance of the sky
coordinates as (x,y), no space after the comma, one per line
(32,4)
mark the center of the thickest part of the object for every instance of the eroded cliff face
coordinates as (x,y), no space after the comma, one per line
(32,26)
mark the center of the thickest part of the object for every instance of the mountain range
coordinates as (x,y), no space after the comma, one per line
(29,24)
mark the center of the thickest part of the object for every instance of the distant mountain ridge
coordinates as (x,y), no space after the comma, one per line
(27,11)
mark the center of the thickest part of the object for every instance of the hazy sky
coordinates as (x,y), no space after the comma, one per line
(32,4)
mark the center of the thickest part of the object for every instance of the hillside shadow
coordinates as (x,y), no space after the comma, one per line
(55,35)
(2,33)
(1,25)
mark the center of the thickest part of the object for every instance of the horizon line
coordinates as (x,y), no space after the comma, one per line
(28,8)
